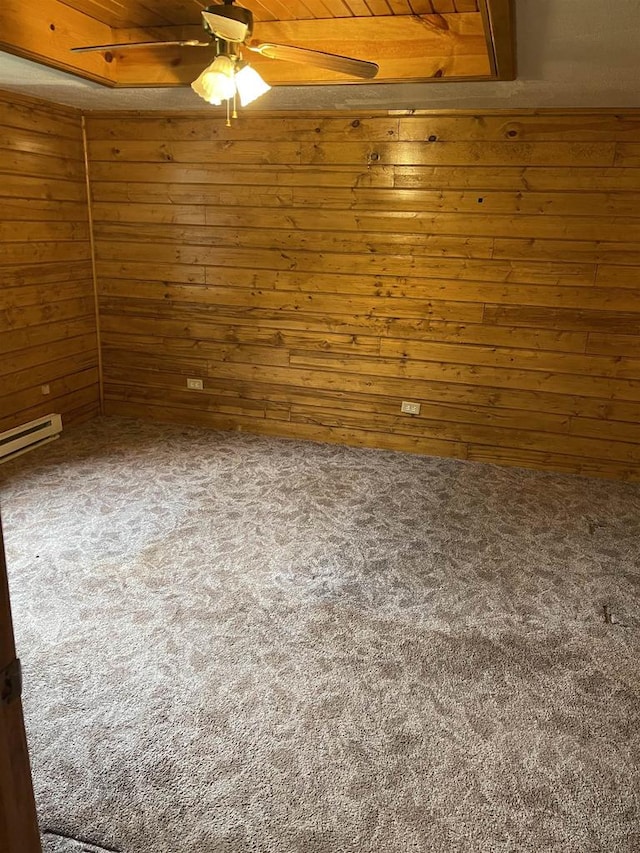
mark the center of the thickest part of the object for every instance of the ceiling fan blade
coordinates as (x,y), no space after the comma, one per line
(226,28)
(331,61)
(125,45)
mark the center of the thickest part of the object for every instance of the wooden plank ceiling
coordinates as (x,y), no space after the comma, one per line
(409,39)
(133,13)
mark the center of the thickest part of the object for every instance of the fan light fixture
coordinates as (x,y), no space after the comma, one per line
(224,79)
(228,29)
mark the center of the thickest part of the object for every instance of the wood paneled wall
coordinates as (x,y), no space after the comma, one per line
(47,316)
(315,271)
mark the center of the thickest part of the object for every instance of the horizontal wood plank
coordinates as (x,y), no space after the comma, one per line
(48,339)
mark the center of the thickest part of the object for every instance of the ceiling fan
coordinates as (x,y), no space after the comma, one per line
(229,28)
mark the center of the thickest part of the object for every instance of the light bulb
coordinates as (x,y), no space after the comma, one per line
(216,83)
(250,85)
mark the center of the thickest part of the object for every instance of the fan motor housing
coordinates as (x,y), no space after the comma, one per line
(235,13)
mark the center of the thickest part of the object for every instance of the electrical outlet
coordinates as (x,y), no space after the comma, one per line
(45,389)
(195,384)
(408,408)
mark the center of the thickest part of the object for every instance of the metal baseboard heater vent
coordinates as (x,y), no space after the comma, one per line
(15,442)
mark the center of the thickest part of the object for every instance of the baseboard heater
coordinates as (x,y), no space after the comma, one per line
(14,442)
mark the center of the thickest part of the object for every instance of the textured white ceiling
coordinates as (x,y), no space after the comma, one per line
(571,53)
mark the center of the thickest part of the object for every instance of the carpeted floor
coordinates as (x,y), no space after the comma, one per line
(236,644)
(60,844)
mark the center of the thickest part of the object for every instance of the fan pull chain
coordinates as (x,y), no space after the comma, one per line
(234,113)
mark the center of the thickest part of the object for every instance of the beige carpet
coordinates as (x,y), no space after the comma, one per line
(235,644)
(60,844)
